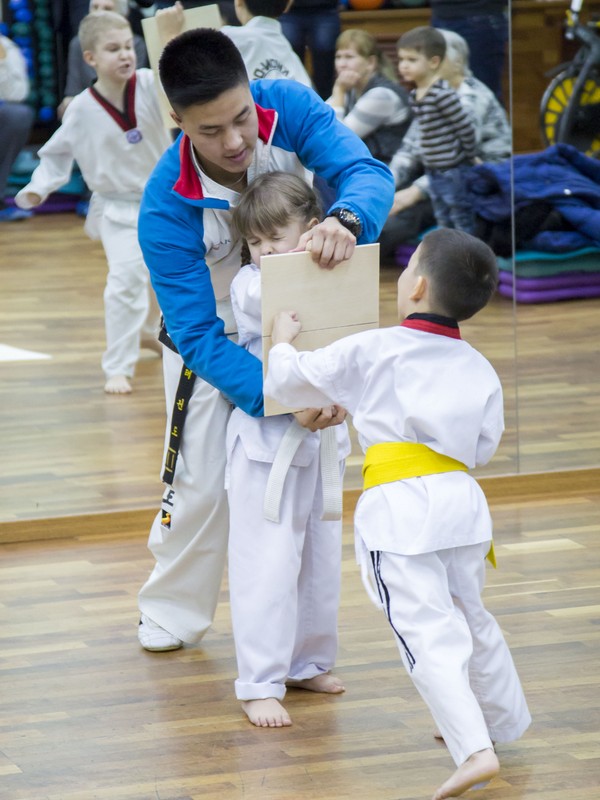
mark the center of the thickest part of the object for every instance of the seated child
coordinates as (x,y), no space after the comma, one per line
(447,135)
(427,407)
(115,132)
(284,547)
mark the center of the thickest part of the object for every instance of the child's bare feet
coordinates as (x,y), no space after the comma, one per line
(118,384)
(267,713)
(479,768)
(325,682)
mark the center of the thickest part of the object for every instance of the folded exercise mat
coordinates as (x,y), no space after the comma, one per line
(533,264)
(564,281)
(404,253)
(548,295)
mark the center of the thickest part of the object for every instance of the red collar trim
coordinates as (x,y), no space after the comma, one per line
(431,327)
(126,120)
(188,184)
(266,122)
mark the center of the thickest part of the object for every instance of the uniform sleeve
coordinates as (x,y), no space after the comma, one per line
(308,127)
(55,167)
(493,426)
(294,382)
(171,236)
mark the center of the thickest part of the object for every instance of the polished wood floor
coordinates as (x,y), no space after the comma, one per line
(85,714)
(70,449)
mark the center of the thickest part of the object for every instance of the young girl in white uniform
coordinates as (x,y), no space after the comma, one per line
(427,407)
(115,132)
(284,551)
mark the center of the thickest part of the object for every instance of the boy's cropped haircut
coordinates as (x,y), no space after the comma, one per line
(461,269)
(98,24)
(267,8)
(199,65)
(270,201)
(425,40)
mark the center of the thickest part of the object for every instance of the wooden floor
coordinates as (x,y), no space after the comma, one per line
(70,449)
(85,714)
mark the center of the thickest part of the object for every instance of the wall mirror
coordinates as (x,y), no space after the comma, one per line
(68,449)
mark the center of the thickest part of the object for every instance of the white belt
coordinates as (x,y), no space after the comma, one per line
(330,472)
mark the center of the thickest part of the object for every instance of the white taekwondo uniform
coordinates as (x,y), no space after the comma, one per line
(266,52)
(115,163)
(426,537)
(284,577)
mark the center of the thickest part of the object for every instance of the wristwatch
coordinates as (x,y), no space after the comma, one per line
(348,219)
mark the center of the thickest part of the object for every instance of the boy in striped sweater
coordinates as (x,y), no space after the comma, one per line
(447,135)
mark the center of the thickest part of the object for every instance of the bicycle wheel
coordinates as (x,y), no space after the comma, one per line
(572,120)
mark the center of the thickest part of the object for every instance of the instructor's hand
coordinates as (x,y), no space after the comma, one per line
(316,419)
(329,243)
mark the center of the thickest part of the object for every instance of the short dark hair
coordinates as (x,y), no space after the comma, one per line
(198,66)
(424,39)
(266,8)
(271,201)
(462,270)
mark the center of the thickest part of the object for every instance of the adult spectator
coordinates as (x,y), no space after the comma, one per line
(366,96)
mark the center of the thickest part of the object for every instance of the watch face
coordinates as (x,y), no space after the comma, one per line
(349,220)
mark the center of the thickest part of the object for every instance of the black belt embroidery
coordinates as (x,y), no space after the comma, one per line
(180,407)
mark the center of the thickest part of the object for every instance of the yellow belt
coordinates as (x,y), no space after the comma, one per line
(395,461)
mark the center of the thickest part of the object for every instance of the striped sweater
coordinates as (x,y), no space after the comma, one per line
(447,133)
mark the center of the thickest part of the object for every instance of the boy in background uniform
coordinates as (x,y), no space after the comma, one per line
(115,133)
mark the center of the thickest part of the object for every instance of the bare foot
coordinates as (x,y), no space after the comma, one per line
(267,713)
(118,384)
(479,768)
(325,682)
(150,343)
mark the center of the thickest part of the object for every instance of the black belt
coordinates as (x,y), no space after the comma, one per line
(180,407)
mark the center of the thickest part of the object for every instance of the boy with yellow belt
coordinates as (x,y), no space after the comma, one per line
(427,407)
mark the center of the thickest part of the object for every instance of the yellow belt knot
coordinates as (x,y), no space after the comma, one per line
(396,461)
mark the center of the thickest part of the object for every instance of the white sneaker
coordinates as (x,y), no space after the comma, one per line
(153,637)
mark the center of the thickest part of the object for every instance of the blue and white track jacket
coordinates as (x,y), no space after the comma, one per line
(188,244)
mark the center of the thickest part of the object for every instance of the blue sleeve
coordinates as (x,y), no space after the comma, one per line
(171,237)
(308,126)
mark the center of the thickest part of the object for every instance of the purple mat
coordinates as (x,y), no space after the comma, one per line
(548,295)
(564,281)
(55,204)
(404,253)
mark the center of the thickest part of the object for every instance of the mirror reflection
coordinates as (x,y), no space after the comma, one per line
(74,450)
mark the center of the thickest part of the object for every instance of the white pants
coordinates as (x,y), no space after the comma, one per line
(130,309)
(452,648)
(284,578)
(182,592)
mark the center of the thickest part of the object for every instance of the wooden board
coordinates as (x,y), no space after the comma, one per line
(330,303)
(202,17)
